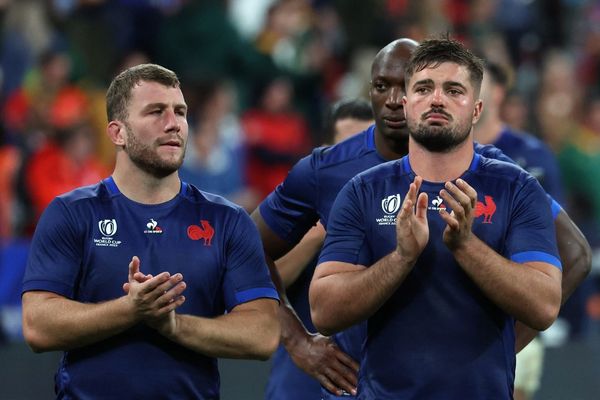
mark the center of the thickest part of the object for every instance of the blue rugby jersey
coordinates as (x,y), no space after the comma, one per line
(81,250)
(534,156)
(438,336)
(307,195)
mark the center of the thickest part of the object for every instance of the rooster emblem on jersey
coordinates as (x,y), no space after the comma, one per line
(206,232)
(486,208)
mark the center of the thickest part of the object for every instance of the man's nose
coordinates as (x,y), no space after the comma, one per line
(172,122)
(394,99)
(437,97)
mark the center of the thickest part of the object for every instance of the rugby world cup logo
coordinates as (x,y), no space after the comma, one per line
(391,204)
(108,227)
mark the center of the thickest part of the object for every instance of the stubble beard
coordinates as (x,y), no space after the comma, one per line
(146,158)
(439,139)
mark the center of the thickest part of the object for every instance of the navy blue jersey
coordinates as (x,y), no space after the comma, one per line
(307,195)
(81,250)
(439,336)
(531,154)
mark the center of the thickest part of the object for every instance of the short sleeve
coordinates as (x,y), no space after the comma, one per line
(290,210)
(56,253)
(532,236)
(345,240)
(246,274)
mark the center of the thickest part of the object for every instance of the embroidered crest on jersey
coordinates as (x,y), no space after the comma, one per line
(108,228)
(152,227)
(487,208)
(204,231)
(390,206)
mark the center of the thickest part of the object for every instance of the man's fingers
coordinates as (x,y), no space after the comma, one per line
(406,210)
(422,206)
(468,190)
(328,385)
(344,377)
(461,194)
(152,283)
(134,266)
(172,305)
(452,203)
(335,383)
(171,294)
(449,219)
(346,360)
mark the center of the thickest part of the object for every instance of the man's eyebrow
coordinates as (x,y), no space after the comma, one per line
(446,84)
(164,105)
(454,83)
(427,81)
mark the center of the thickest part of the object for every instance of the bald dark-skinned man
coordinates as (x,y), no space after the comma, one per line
(304,198)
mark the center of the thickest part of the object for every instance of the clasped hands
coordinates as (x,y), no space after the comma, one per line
(154,298)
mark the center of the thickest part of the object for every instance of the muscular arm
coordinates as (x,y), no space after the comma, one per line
(54,322)
(576,258)
(316,355)
(291,265)
(250,330)
(343,294)
(530,291)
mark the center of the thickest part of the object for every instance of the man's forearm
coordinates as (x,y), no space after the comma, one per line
(251,330)
(576,258)
(52,322)
(529,292)
(352,294)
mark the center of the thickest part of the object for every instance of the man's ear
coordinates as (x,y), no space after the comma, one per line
(116,132)
(477,111)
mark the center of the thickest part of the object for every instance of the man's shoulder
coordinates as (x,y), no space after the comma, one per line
(83,193)
(524,141)
(380,172)
(502,169)
(206,199)
(350,150)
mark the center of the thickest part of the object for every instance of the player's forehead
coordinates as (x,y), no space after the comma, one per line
(389,66)
(442,73)
(148,92)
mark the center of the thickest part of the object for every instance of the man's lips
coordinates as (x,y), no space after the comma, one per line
(395,122)
(174,143)
(437,116)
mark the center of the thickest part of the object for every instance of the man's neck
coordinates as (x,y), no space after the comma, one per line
(440,167)
(390,149)
(141,187)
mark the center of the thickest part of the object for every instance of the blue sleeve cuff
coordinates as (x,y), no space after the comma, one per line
(256,293)
(48,286)
(341,257)
(555,207)
(529,256)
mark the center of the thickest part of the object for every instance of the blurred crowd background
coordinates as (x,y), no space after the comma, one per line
(259,76)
